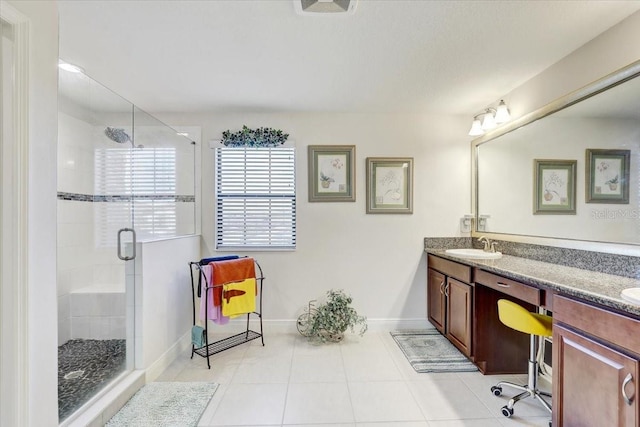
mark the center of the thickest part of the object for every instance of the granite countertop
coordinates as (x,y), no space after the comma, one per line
(600,288)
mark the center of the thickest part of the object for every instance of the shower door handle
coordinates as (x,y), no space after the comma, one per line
(133,256)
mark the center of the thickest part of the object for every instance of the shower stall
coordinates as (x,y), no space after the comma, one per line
(123,176)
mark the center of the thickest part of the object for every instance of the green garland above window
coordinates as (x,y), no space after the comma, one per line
(261,137)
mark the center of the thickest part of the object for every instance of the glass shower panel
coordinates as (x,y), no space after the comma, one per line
(164,180)
(95,305)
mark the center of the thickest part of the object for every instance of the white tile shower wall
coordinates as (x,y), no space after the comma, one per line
(75,155)
(80,262)
(64,319)
(96,314)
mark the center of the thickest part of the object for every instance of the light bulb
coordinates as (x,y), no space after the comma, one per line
(476,128)
(488,122)
(502,113)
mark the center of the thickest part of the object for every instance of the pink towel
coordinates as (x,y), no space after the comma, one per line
(214,312)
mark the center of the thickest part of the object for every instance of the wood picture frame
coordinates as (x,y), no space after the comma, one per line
(389,185)
(332,173)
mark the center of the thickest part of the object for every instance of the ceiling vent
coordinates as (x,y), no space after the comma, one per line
(325,7)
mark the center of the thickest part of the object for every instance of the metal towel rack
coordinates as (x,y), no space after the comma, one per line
(210,349)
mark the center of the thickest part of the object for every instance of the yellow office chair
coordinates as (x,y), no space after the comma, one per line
(537,325)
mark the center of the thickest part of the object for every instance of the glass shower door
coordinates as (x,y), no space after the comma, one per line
(95,197)
(119,170)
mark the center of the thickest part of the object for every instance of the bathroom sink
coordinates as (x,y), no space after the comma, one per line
(631,295)
(473,253)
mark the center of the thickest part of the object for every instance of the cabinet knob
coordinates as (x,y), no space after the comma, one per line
(442,287)
(628,400)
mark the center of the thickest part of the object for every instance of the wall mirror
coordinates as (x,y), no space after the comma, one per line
(598,128)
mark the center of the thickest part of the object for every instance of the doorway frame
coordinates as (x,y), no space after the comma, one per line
(14,157)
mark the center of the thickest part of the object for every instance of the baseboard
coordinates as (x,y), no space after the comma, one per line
(181,346)
(282,326)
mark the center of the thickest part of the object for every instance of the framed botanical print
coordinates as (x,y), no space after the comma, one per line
(389,185)
(332,173)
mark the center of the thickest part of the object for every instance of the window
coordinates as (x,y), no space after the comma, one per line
(142,180)
(255,198)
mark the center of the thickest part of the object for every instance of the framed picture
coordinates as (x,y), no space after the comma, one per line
(607,176)
(554,187)
(389,185)
(332,173)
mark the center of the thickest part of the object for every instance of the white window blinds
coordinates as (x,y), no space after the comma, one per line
(135,186)
(255,198)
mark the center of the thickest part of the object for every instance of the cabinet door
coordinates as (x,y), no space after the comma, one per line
(459,314)
(435,299)
(593,384)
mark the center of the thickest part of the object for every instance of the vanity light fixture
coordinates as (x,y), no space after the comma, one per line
(491,117)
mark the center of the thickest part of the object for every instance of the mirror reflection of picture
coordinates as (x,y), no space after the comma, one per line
(555,187)
(607,176)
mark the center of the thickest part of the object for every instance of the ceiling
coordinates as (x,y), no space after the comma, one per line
(391,56)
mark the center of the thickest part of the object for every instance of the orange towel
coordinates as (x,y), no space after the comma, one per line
(230,271)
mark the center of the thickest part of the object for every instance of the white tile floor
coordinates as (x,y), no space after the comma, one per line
(363,382)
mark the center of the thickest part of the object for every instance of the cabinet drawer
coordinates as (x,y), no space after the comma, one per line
(598,322)
(510,287)
(452,269)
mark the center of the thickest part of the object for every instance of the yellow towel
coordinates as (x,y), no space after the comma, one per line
(239,297)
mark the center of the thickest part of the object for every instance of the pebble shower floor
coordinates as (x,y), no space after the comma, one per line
(84,367)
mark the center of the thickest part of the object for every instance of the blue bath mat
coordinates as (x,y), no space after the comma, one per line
(165,404)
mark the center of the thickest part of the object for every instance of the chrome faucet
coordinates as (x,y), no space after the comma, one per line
(489,246)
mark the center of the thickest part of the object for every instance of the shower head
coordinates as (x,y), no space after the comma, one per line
(117,135)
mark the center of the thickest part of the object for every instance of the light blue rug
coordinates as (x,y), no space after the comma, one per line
(165,404)
(428,351)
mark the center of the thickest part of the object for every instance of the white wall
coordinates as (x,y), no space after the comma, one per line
(42,328)
(610,51)
(377,258)
(605,54)
(162,302)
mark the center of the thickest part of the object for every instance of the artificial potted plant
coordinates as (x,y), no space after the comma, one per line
(330,320)
(260,137)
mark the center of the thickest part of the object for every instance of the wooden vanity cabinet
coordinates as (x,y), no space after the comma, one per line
(596,360)
(499,349)
(436,301)
(449,301)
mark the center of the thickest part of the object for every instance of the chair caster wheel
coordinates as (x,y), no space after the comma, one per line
(496,390)
(506,411)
